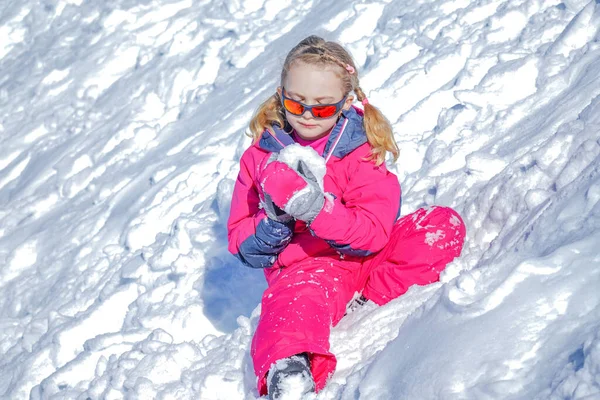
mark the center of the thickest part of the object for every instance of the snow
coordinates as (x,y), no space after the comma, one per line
(121,129)
(295,388)
(291,386)
(293,154)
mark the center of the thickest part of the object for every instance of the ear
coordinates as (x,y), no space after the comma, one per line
(348,102)
(279,91)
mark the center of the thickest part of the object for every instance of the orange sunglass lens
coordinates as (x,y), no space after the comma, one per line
(323,112)
(293,106)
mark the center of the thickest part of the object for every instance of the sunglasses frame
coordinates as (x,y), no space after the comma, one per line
(338,105)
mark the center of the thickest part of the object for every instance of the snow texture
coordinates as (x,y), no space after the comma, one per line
(292,386)
(121,128)
(293,154)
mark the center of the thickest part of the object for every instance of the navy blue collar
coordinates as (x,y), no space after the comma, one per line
(347,135)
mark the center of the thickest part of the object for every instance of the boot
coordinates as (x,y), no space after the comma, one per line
(355,304)
(290,378)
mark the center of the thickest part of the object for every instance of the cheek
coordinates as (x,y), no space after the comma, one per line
(329,123)
(292,119)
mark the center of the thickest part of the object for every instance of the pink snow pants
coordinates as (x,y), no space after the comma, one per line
(305,300)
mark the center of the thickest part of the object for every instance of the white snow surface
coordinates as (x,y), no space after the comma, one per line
(121,127)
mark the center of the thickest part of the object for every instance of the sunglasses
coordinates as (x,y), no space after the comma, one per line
(318,111)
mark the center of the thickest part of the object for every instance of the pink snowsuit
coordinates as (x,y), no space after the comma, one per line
(356,246)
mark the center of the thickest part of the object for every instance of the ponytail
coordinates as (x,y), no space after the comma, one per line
(268,113)
(379,131)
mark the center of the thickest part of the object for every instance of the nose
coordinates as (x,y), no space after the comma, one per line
(307,114)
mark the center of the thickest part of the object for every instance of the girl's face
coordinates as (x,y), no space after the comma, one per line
(312,84)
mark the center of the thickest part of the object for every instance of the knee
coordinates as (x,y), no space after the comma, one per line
(447,220)
(447,216)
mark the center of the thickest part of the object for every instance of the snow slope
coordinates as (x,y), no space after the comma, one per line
(121,125)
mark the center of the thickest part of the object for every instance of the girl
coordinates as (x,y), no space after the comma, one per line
(316,208)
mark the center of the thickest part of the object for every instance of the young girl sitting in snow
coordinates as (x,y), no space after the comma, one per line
(316,208)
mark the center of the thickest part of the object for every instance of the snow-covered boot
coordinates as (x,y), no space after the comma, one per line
(290,378)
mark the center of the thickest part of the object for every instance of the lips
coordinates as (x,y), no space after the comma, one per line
(307,125)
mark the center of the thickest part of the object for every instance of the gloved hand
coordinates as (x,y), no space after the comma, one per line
(294,190)
(273,212)
(271,209)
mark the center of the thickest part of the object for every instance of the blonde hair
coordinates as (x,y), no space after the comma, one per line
(316,51)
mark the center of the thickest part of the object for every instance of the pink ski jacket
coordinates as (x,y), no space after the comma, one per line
(366,205)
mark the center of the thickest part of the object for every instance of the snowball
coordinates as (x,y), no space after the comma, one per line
(293,154)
